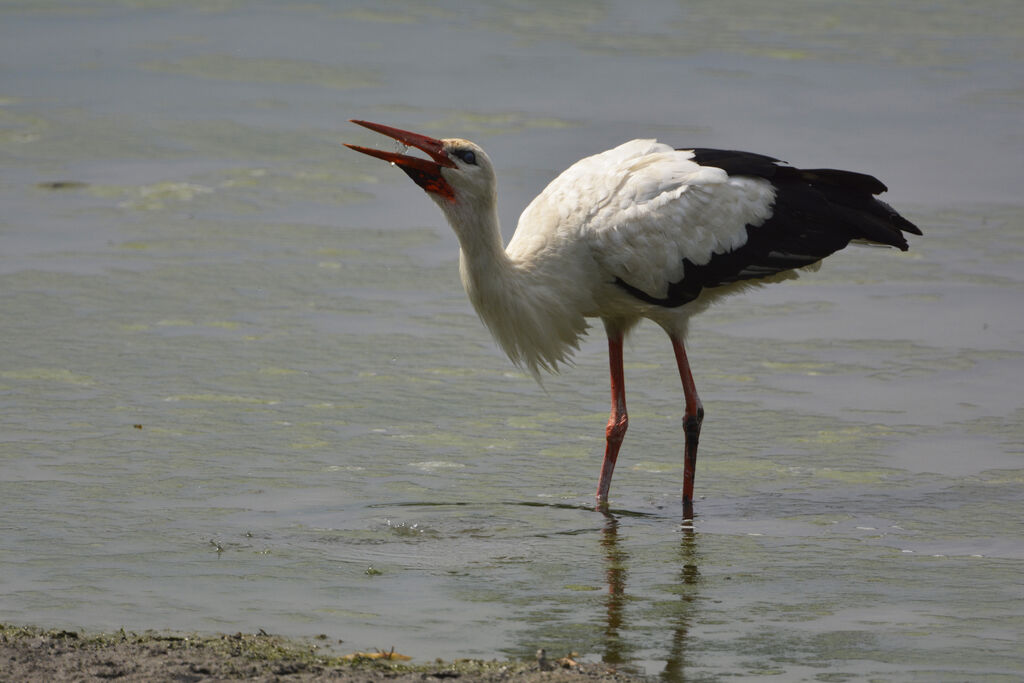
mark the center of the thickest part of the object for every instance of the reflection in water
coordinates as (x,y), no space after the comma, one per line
(615,562)
(689,574)
(616,648)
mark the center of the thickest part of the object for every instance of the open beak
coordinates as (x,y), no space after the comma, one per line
(424,172)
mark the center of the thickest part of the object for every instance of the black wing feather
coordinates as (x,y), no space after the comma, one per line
(816,213)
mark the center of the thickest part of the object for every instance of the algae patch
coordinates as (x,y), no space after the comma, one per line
(34,653)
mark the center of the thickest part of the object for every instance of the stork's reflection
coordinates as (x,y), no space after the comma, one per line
(617,650)
(689,577)
(615,559)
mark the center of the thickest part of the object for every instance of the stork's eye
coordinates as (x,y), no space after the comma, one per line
(466,155)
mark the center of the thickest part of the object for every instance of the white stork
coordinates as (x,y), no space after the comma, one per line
(639,231)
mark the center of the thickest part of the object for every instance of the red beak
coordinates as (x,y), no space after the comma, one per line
(426,174)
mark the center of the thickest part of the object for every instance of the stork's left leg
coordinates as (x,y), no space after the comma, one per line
(618,421)
(692,418)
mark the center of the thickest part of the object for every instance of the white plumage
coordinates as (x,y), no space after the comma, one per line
(642,208)
(638,231)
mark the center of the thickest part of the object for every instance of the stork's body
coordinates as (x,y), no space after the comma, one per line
(639,231)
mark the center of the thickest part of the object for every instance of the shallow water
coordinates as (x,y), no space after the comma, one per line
(241,387)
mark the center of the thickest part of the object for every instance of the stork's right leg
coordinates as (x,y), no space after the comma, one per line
(618,421)
(692,418)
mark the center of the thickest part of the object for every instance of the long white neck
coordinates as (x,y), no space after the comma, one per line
(520,301)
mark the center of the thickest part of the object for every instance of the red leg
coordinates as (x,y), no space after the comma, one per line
(692,418)
(618,421)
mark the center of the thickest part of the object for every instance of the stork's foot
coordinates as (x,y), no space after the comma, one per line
(691,428)
(615,432)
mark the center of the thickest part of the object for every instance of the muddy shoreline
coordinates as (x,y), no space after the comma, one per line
(29,653)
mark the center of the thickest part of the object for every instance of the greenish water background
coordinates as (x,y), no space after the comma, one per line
(237,369)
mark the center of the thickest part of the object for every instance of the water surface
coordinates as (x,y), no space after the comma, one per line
(241,387)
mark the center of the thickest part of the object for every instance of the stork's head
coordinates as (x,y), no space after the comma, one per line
(458,171)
